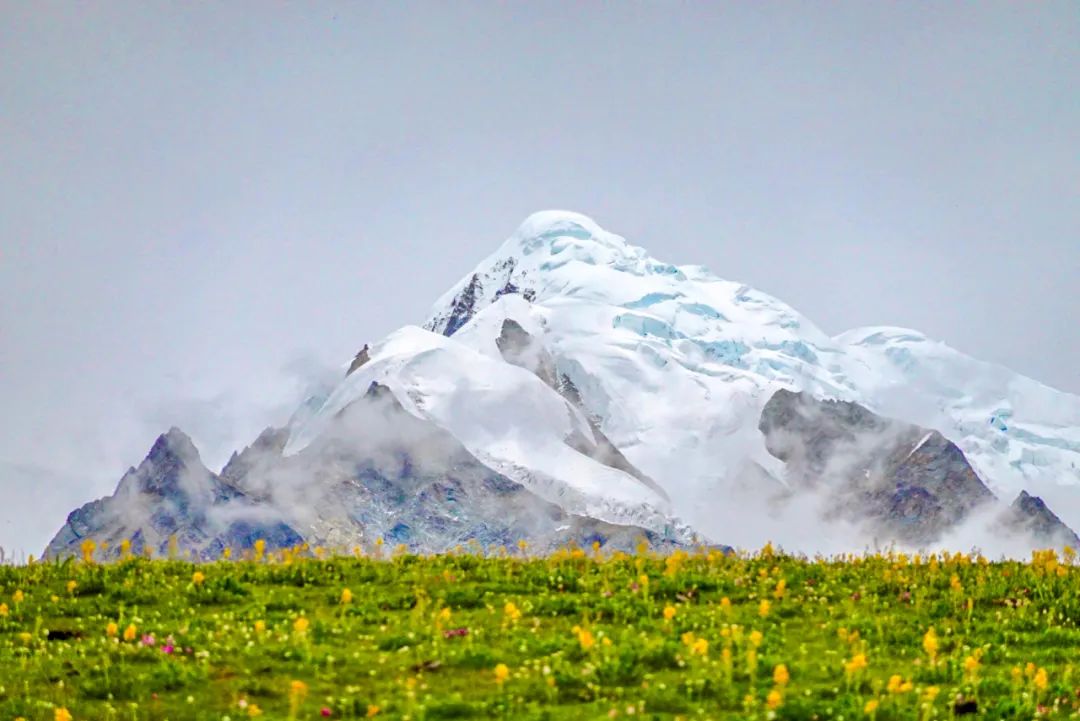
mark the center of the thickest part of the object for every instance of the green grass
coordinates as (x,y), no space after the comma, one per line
(585,637)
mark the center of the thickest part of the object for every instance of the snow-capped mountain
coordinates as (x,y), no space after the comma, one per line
(676,364)
(620,388)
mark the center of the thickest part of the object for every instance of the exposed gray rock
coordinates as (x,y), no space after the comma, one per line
(464,306)
(500,279)
(362,357)
(380,472)
(518,347)
(268,447)
(383,473)
(1030,515)
(173,495)
(910,484)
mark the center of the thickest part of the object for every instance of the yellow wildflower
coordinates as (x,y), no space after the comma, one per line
(17,597)
(372,711)
(3,610)
(700,647)
(856,664)
(585,638)
(756,638)
(87,548)
(71,586)
(130,632)
(763,608)
(61,714)
(112,629)
(780,675)
(669,612)
(870,707)
(513,613)
(971,664)
(774,700)
(297,693)
(197,578)
(930,644)
(346,597)
(301,625)
(502,673)
(1040,679)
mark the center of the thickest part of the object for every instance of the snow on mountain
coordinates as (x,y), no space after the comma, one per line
(504,415)
(572,375)
(1018,433)
(676,364)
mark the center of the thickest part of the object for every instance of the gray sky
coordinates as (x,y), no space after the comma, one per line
(201,203)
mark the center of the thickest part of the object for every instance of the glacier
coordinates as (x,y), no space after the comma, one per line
(675,365)
(598,380)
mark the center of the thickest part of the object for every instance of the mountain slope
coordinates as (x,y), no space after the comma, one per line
(374,473)
(909,483)
(506,416)
(573,370)
(172,495)
(676,364)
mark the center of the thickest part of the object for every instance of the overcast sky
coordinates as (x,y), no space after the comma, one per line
(201,204)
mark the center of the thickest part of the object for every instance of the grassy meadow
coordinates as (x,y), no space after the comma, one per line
(581,634)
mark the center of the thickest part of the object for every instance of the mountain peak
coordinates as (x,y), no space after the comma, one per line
(557,254)
(177,444)
(555,232)
(546,226)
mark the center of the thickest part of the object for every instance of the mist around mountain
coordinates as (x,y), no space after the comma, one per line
(572,388)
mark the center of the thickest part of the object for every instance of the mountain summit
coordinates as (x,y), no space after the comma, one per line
(617,389)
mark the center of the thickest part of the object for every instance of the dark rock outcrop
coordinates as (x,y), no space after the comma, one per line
(378,472)
(362,357)
(173,496)
(909,483)
(502,278)
(269,446)
(383,472)
(1030,515)
(464,305)
(518,347)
